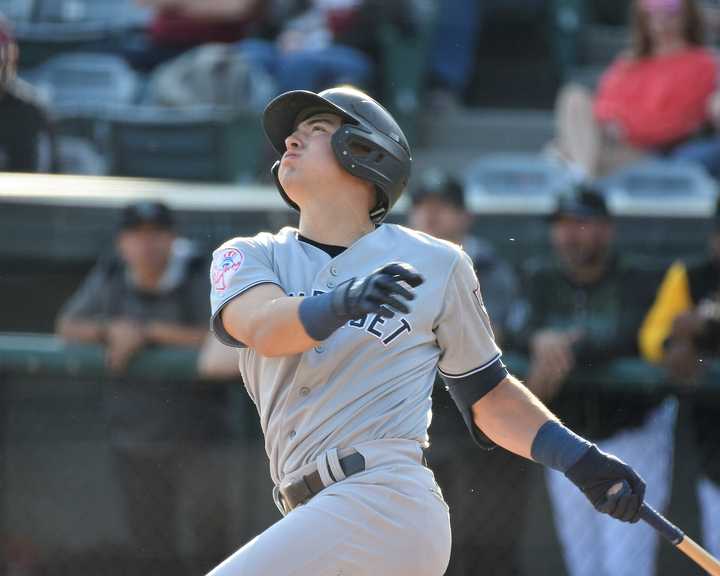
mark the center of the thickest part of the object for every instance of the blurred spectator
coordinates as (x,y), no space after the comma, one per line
(682,330)
(154,293)
(439,208)
(319,43)
(179,25)
(584,309)
(659,98)
(212,75)
(27,142)
(466,473)
(458,25)
(218,361)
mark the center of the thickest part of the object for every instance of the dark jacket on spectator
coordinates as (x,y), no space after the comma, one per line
(27,143)
(609,312)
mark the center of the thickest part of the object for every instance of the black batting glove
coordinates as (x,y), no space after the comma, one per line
(605,480)
(380,292)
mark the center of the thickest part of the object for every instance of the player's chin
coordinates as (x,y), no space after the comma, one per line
(292,184)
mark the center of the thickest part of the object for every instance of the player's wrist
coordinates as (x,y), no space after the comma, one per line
(558,447)
(320,315)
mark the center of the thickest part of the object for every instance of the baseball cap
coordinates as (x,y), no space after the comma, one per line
(439,184)
(583,201)
(139,213)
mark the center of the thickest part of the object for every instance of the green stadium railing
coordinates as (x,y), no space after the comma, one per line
(46,384)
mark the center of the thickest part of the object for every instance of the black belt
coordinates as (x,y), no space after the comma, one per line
(298,492)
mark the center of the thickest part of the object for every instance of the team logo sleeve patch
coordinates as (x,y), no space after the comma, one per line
(226,264)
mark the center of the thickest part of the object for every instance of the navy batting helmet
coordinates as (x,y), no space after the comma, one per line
(369,144)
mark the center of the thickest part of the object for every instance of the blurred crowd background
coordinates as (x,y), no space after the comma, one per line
(570,146)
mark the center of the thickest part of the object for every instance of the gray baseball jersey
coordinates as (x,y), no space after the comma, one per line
(373,377)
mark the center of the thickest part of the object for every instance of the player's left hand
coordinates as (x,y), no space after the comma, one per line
(597,472)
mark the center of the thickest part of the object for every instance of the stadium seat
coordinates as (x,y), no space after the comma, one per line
(77,83)
(657,187)
(509,182)
(46,28)
(205,144)
(111,13)
(17,10)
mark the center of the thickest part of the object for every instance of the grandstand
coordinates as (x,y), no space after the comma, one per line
(210,164)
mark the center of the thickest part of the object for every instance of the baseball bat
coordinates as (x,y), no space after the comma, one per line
(673,534)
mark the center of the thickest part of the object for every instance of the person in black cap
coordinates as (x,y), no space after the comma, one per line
(584,307)
(27,142)
(138,297)
(438,208)
(465,475)
(682,331)
(152,291)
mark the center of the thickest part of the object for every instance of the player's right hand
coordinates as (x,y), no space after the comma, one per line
(380,292)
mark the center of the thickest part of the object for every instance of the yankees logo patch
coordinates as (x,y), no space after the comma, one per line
(225,266)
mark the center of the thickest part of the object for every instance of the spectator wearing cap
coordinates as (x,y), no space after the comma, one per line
(660,98)
(682,332)
(152,291)
(492,546)
(438,208)
(584,307)
(27,142)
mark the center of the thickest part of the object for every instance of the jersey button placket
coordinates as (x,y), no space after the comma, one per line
(304,391)
(319,348)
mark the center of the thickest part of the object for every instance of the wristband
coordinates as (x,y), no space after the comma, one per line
(318,316)
(558,447)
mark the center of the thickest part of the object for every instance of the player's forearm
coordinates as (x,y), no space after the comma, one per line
(273,329)
(81,330)
(510,415)
(169,334)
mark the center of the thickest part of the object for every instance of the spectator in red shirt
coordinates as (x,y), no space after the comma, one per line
(659,98)
(178,25)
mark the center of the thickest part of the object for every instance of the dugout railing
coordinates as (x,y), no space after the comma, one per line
(61,511)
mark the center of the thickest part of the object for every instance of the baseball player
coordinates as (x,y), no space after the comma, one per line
(342,325)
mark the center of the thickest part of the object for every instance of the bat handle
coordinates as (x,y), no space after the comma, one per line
(651,516)
(661,524)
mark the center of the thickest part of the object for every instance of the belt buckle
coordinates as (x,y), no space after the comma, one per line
(294,493)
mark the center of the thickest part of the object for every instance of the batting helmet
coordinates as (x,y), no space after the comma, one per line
(369,144)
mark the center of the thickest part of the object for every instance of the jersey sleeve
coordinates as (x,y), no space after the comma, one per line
(237,266)
(470,360)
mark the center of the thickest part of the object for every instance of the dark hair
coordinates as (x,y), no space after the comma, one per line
(693,29)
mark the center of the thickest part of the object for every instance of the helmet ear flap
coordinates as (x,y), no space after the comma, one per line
(375,158)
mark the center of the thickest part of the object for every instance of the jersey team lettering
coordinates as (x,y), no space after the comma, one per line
(225,266)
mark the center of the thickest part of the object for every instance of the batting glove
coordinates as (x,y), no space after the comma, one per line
(380,292)
(596,472)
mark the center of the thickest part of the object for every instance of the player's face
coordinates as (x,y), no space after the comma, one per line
(309,159)
(581,242)
(440,218)
(146,248)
